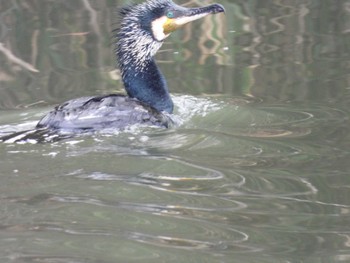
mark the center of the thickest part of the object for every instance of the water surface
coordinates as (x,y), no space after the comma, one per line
(256,171)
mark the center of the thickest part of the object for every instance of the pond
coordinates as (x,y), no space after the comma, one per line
(256,171)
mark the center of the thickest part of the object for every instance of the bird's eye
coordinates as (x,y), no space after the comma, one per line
(170,14)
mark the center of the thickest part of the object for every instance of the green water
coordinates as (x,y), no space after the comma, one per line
(257,170)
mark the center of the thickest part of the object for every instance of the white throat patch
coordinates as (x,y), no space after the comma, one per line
(158,30)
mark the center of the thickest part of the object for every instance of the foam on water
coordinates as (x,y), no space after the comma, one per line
(189,106)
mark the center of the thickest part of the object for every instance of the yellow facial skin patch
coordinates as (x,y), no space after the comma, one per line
(170,25)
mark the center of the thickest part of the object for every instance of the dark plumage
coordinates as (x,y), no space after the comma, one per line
(99,113)
(143,28)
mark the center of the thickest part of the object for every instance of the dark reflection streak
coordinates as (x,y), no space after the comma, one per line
(159,240)
(15,60)
(313,202)
(290,199)
(4,31)
(214,174)
(139,207)
(93,17)
(304,11)
(256,132)
(37,258)
(246,191)
(194,244)
(96,29)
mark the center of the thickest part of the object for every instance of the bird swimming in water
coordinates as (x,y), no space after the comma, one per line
(143,28)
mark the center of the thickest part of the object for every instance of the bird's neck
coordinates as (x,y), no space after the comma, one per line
(147,84)
(135,48)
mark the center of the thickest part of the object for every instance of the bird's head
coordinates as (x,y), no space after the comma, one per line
(144,27)
(161,17)
(168,16)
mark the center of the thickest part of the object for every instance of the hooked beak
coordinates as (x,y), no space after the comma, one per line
(185,15)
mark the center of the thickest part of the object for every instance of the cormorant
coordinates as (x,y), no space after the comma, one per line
(143,28)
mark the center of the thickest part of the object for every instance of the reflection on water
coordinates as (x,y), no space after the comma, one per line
(256,171)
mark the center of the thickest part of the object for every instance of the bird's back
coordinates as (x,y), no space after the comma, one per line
(96,113)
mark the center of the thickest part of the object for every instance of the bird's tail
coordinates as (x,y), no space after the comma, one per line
(33,136)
